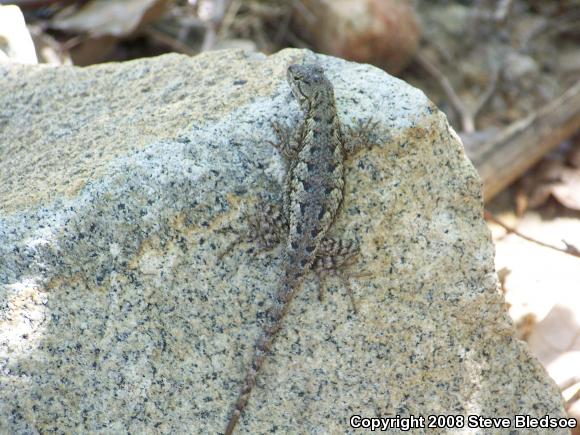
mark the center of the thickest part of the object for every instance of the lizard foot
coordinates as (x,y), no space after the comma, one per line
(359,137)
(288,141)
(266,227)
(333,255)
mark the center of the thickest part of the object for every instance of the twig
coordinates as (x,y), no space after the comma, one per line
(572,400)
(71,43)
(299,8)
(48,47)
(523,143)
(467,122)
(218,10)
(569,383)
(31,4)
(297,41)
(570,249)
(283,26)
(568,22)
(489,91)
(171,42)
(502,10)
(230,12)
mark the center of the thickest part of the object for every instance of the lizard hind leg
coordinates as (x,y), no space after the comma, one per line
(267,227)
(334,255)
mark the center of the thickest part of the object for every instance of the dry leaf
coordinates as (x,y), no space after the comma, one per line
(15,41)
(559,181)
(555,340)
(105,17)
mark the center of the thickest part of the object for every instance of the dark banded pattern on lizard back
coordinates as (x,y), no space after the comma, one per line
(314,193)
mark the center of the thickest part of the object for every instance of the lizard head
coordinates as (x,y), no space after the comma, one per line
(306,82)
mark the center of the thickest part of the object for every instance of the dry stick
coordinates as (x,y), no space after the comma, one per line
(520,145)
(72,42)
(297,42)
(502,10)
(572,400)
(53,53)
(570,251)
(31,4)
(467,122)
(283,26)
(488,93)
(300,8)
(569,382)
(173,43)
(523,143)
(213,24)
(545,28)
(230,12)
(467,116)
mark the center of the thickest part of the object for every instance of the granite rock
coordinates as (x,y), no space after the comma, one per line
(121,185)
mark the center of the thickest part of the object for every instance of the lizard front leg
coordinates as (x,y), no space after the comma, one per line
(288,141)
(268,226)
(358,137)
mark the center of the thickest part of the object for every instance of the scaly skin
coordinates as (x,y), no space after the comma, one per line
(314,193)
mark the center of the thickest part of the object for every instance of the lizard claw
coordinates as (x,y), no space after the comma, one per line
(359,137)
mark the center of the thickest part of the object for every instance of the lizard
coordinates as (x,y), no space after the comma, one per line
(314,193)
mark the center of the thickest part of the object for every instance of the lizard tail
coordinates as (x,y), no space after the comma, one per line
(232,423)
(262,347)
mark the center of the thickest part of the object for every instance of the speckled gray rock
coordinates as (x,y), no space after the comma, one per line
(121,184)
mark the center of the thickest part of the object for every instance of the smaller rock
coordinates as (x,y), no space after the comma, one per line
(384,33)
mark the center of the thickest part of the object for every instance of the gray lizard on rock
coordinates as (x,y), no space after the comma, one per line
(314,194)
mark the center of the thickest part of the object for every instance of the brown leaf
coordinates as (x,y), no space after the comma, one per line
(559,181)
(110,17)
(567,191)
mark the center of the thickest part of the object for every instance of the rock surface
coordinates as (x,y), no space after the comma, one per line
(121,184)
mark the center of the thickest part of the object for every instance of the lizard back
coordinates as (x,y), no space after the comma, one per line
(316,177)
(314,193)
